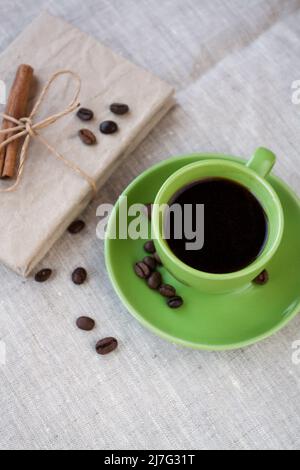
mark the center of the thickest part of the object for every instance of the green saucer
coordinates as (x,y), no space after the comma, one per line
(212,322)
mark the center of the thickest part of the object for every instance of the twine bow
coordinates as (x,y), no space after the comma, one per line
(26,127)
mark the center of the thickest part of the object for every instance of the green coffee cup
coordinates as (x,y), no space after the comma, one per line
(253,177)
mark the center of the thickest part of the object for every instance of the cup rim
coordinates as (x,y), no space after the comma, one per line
(261,261)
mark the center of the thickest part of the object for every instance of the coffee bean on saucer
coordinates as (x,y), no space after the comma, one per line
(85,114)
(106,346)
(155,280)
(148,210)
(85,323)
(43,275)
(76,227)
(175,302)
(157,259)
(79,276)
(262,278)
(108,127)
(167,291)
(119,108)
(142,270)
(150,262)
(149,247)
(87,137)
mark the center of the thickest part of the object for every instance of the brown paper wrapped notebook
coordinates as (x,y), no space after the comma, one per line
(50,196)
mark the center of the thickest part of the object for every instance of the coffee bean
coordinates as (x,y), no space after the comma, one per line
(148,210)
(157,259)
(150,262)
(119,109)
(43,275)
(155,281)
(149,247)
(106,345)
(85,114)
(76,227)
(87,137)
(79,276)
(175,302)
(167,291)
(85,323)
(108,127)
(262,279)
(142,270)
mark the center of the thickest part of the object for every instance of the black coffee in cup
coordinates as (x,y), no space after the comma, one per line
(235,226)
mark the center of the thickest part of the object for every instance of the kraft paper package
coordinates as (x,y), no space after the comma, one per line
(50,195)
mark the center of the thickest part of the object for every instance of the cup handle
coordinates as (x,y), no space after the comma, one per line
(262,162)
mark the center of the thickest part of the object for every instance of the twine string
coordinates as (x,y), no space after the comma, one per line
(25,127)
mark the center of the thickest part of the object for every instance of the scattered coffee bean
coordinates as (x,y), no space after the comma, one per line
(108,127)
(106,345)
(262,279)
(119,109)
(150,262)
(142,270)
(167,291)
(155,280)
(85,323)
(76,227)
(175,302)
(43,275)
(85,114)
(87,137)
(148,210)
(149,247)
(79,276)
(157,259)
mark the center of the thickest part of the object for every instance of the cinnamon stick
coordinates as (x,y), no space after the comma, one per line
(17,108)
(3,137)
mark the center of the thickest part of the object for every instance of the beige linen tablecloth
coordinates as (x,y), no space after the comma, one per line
(233,64)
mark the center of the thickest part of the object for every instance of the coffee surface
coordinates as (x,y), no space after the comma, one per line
(235,226)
